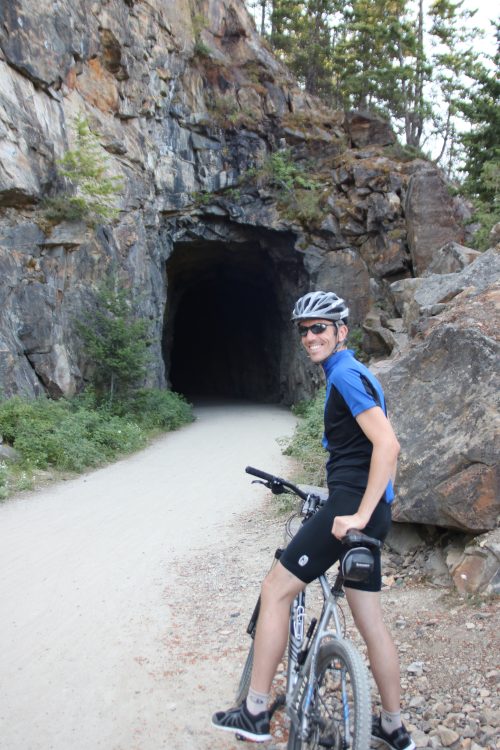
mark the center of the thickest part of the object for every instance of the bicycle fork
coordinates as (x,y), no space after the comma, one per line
(295,638)
(303,670)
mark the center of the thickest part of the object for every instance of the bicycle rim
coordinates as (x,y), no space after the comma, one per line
(244,683)
(342,690)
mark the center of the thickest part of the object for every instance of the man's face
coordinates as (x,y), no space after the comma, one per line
(319,346)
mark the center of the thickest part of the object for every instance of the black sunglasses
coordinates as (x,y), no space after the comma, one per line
(315,328)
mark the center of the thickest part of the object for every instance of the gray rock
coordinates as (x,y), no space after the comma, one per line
(417,298)
(9,454)
(403,538)
(435,568)
(67,234)
(430,216)
(447,474)
(478,569)
(452,258)
(365,130)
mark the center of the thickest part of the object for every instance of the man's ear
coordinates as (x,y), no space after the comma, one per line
(342,332)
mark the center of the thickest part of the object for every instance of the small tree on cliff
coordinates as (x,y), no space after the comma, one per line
(116,344)
(91,190)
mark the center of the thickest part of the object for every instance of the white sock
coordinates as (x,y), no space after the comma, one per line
(257,702)
(390,721)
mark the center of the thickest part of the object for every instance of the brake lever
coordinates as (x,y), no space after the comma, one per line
(275,487)
(260,481)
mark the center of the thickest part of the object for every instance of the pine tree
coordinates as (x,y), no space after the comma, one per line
(115,342)
(311,55)
(91,191)
(366,48)
(482,142)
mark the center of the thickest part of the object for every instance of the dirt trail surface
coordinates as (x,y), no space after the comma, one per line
(89,589)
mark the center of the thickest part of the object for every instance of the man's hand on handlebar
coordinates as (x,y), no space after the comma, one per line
(342,524)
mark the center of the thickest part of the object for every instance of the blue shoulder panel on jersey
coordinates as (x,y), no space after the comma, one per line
(358,387)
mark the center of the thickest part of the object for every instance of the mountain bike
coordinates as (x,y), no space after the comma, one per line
(327,695)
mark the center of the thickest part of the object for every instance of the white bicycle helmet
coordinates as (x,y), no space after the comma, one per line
(326,305)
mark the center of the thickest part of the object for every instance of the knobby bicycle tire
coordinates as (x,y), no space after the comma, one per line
(327,728)
(246,674)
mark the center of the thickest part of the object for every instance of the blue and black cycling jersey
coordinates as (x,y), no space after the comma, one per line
(350,389)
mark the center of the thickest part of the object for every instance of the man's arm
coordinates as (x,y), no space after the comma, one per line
(379,432)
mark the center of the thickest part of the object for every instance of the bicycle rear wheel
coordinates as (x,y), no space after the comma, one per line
(246,674)
(342,690)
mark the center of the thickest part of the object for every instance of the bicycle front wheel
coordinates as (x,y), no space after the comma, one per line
(246,674)
(340,714)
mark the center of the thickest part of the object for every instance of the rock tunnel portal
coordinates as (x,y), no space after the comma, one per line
(227,307)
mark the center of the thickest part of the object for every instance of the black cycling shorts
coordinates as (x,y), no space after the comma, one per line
(314,549)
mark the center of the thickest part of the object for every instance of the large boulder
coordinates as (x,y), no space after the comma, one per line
(431,217)
(419,299)
(444,400)
(366,129)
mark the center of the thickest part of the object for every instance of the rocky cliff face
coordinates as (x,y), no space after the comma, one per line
(214,238)
(187,103)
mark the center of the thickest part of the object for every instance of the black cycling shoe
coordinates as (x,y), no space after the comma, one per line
(243,723)
(397,740)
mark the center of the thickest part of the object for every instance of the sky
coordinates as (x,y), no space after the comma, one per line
(487,11)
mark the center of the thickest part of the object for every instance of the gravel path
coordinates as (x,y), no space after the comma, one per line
(88,584)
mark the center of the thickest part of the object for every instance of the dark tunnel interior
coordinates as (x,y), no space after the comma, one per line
(222,327)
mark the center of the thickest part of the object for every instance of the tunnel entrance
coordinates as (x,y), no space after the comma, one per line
(224,322)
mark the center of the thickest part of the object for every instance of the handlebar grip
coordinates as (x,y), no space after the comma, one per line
(354,536)
(261,474)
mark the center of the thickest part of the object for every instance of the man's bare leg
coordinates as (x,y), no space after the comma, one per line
(279,589)
(384,660)
(251,719)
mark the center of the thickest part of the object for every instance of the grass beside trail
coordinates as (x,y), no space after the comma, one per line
(305,444)
(74,435)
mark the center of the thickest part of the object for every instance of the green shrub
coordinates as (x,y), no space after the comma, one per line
(117,435)
(304,206)
(54,434)
(156,409)
(201,49)
(305,445)
(75,435)
(355,342)
(282,171)
(299,195)
(30,427)
(486,216)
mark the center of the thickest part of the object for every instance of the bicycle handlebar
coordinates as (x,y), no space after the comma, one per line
(274,483)
(353,538)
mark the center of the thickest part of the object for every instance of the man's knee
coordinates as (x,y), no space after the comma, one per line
(280,585)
